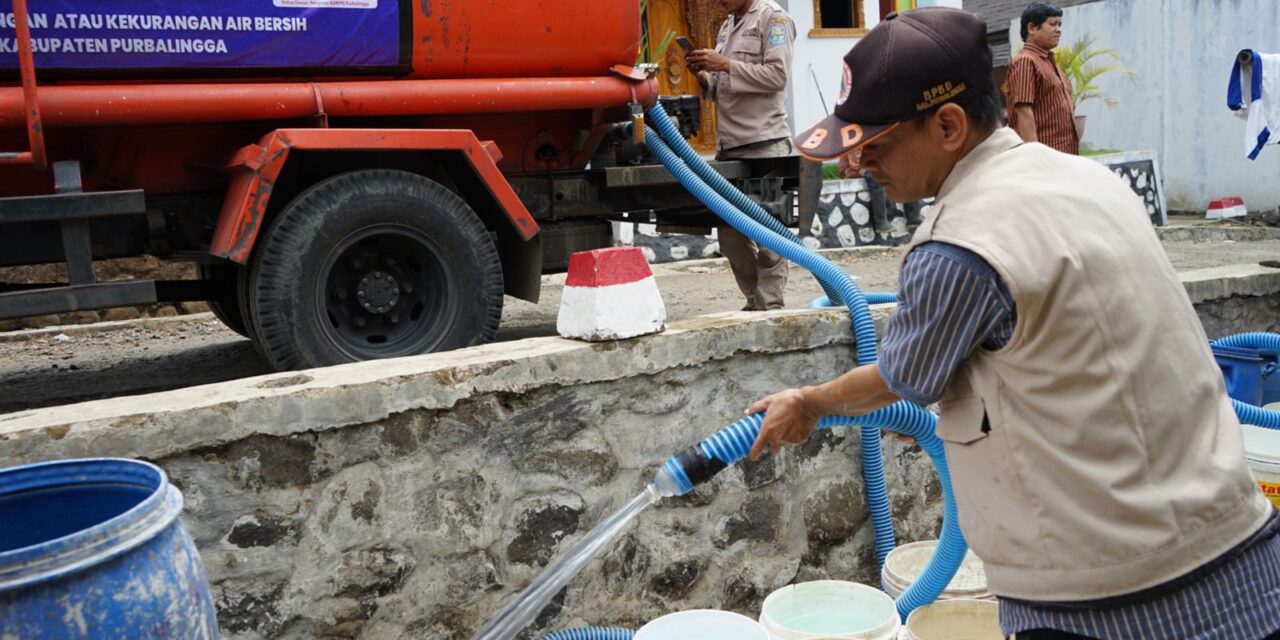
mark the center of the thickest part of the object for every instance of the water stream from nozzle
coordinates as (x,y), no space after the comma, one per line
(519,613)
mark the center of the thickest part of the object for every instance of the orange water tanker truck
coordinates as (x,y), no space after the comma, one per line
(354,179)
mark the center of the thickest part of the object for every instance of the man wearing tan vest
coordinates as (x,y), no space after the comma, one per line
(1096,460)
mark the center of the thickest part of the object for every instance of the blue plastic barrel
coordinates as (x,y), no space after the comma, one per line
(94,548)
(1242,371)
(1271,383)
(1270,376)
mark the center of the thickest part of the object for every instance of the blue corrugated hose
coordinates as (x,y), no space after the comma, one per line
(1251,340)
(863,326)
(1249,413)
(671,134)
(873,297)
(590,633)
(1255,415)
(733,442)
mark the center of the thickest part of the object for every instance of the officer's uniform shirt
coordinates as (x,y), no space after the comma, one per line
(751,97)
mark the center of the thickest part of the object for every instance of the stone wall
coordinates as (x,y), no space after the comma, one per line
(1235,298)
(411,498)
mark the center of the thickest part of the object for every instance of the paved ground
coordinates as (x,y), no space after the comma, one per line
(45,369)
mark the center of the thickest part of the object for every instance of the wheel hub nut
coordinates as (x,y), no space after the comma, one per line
(378,292)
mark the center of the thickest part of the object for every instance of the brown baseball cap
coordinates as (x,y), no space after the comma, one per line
(909,63)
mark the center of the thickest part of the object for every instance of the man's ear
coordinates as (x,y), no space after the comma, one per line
(953,125)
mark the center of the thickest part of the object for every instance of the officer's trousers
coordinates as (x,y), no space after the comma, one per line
(760,273)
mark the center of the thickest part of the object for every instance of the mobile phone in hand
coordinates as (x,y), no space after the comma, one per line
(685,44)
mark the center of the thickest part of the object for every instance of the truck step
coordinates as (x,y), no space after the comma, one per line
(85,297)
(56,207)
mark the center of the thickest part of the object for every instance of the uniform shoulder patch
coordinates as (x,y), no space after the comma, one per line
(777,32)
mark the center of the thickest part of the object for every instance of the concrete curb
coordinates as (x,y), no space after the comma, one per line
(1217,283)
(1199,233)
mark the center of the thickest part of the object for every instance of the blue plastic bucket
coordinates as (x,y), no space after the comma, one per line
(94,548)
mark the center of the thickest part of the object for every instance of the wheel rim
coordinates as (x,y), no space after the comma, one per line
(385,294)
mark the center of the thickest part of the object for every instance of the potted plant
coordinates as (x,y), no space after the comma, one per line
(643,52)
(1083,63)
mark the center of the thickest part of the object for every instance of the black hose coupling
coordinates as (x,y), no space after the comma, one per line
(697,466)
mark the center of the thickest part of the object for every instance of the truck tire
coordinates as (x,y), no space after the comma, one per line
(373,264)
(225,304)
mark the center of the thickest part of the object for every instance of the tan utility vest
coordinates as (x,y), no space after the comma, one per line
(1097,453)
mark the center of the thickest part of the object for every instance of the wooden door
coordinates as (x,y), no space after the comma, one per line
(698,20)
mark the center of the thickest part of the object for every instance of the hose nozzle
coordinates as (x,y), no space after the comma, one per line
(700,462)
(686,470)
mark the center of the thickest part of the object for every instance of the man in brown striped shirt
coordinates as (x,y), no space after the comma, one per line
(1040,104)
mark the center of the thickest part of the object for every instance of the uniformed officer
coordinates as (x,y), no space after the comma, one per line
(746,76)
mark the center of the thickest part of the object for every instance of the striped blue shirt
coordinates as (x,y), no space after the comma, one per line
(952,303)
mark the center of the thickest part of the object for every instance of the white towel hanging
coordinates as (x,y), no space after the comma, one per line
(1253,93)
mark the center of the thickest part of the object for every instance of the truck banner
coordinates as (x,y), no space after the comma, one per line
(203,34)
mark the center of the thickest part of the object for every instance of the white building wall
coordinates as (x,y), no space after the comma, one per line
(1182,51)
(821,58)
(818,58)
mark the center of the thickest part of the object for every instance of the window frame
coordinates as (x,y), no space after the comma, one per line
(859,18)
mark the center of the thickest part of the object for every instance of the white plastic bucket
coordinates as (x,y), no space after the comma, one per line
(829,610)
(1262,452)
(955,620)
(905,563)
(702,624)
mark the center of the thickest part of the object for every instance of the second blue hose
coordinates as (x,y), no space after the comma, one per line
(860,316)
(873,297)
(671,135)
(733,442)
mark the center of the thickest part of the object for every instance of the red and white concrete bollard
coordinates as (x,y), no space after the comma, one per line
(610,294)
(1229,207)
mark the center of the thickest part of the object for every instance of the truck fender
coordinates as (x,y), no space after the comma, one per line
(255,169)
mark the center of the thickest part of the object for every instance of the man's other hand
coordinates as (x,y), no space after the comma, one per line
(704,80)
(706,60)
(789,419)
